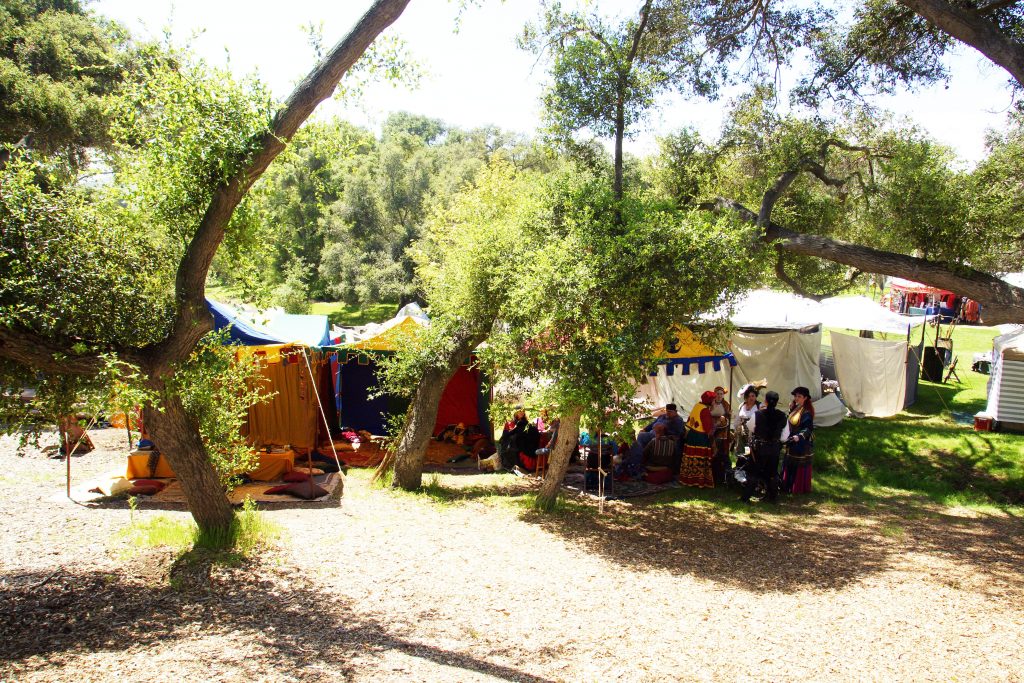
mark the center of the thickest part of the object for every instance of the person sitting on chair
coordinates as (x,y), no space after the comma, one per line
(659,456)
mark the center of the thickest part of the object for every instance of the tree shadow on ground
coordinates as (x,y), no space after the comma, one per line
(789,547)
(305,634)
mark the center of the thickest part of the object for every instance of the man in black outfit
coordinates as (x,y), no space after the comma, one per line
(766,427)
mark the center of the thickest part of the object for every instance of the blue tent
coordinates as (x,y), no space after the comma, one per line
(311,330)
(241,331)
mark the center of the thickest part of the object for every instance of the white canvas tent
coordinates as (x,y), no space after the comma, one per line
(878,378)
(1006,381)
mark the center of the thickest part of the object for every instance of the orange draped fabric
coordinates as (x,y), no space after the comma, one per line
(291,417)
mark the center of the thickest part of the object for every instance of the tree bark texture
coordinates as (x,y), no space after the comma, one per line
(558,463)
(972,28)
(419,425)
(176,436)
(418,430)
(1001,301)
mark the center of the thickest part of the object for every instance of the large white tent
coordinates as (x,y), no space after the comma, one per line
(1006,381)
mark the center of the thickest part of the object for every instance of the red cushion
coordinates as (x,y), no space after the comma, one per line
(293,477)
(280,490)
(305,490)
(160,485)
(143,490)
(659,476)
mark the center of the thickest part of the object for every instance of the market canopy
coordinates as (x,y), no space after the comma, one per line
(861,313)
(911,287)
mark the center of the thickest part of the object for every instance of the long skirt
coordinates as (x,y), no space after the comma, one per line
(697,456)
(796,475)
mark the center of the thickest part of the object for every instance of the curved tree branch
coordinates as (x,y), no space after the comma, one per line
(193,320)
(1003,303)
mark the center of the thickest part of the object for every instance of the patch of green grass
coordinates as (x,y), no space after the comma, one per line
(249,532)
(925,454)
(349,316)
(892,530)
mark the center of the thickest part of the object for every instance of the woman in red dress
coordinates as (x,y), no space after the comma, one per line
(697,451)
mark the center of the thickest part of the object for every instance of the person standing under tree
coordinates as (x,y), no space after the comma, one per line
(765,428)
(799,437)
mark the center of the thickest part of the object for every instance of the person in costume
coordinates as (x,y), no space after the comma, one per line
(697,452)
(721,413)
(799,437)
(765,426)
(741,419)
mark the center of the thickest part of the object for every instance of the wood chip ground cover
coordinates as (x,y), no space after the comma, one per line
(472,586)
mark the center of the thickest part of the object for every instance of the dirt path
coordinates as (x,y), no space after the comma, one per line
(385,586)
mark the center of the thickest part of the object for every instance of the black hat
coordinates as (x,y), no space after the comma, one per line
(803,391)
(670,406)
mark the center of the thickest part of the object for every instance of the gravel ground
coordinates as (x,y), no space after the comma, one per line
(385,586)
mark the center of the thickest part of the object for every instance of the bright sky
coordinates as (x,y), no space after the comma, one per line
(477,76)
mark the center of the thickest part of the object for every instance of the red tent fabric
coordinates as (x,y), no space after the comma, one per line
(459,400)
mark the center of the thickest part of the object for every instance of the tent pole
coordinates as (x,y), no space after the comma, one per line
(323,415)
(64,444)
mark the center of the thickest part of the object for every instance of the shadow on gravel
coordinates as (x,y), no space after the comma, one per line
(304,633)
(787,550)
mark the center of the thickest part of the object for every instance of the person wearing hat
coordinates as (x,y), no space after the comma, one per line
(695,469)
(765,427)
(799,437)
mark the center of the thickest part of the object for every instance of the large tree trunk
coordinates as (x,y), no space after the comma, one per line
(419,428)
(972,28)
(422,415)
(558,463)
(176,436)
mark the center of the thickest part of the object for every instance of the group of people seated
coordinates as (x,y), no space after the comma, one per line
(697,451)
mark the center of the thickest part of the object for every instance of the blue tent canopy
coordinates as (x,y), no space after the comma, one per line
(241,331)
(311,330)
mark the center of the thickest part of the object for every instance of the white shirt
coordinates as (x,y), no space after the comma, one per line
(753,422)
(745,412)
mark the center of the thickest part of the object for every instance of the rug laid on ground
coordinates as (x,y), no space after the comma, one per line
(619,489)
(255,490)
(437,458)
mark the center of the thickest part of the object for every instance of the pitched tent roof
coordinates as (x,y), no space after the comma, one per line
(687,351)
(242,330)
(390,338)
(764,309)
(311,330)
(274,327)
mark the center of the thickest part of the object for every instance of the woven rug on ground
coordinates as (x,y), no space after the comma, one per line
(619,489)
(174,494)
